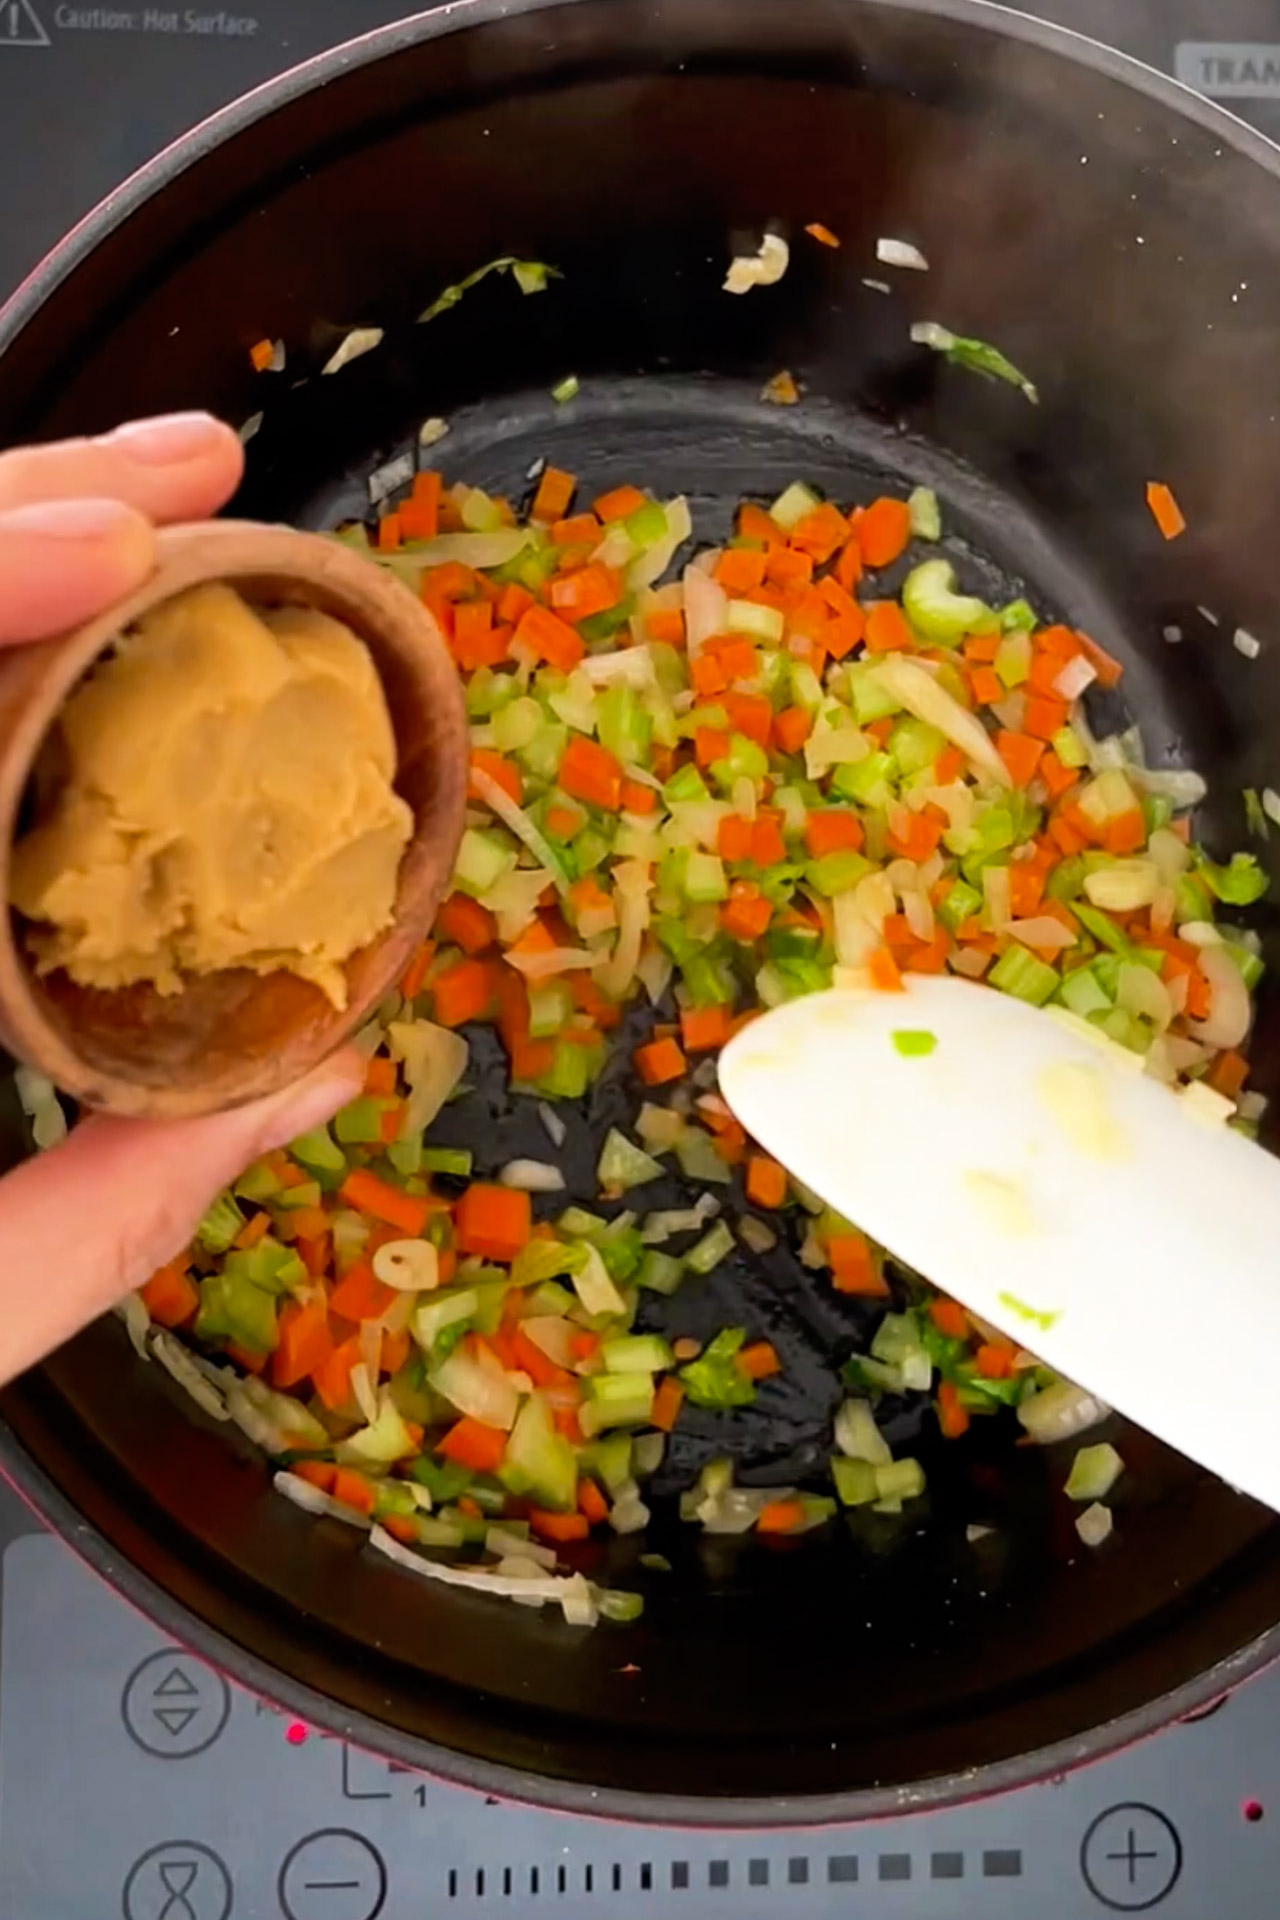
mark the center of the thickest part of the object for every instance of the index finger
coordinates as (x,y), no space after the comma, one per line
(177,466)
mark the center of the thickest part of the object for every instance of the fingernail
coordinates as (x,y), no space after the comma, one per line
(71,519)
(169,439)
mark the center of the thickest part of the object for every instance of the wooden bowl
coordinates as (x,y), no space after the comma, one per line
(232,1036)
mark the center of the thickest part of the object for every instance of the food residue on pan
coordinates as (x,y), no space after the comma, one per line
(223,798)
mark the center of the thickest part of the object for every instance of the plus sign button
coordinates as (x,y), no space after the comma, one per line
(1131,1857)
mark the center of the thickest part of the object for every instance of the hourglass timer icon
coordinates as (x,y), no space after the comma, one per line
(181,1880)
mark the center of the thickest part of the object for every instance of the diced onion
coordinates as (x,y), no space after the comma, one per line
(137,1323)
(1246,643)
(359,341)
(756,1235)
(1045,934)
(921,695)
(1060,1412)
(362,1388)
(900,253)
(1095,1525)
(1078,674)
(434,1060)
(1229,1005)
(761,269)
(532,1176)
(706,608)
(432,430)
(1139,990)
(570,1591)
(177,1362)
(303,1494)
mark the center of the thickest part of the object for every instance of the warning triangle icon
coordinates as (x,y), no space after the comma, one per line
(176,1684)
(175,1720)
(21,25)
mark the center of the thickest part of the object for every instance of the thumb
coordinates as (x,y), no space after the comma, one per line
(85,1223)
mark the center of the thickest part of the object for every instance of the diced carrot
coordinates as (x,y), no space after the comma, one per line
(950,1319)
(948,766)
(1165,510)
(637,797)
(780,1516)
(751,715)
(261,354)
(550,638)
(659,1062)
(1026,888)
(583,1344)
(831,831)
(913,835)
(986,686)
(395,1349)
(560,1527)
(886,628)
(592,1503)
(1199,995)
(590,999)
(555,491)
(359,1295)
(756,525)
(1125,832)
(527,1357)
(1108,669)
(927,956)
(820,533)
(380,1077)
(321,1473)
(471,1444)
(590,773)
(739,569)
(666,626)
(953,1418)
(1057,777)
(1021,755)
(766,1181)
(767,844)
(463,992)
(854,1268)
(352,1489)
(304,1342)
(503,772)
(707,676)
(252,1231)
(737,657)
(420,514)
(414,977)
(823,235)
(883,969)
(884,529)
(564,822)
(171,1295)
(849,564)
(981,648)
(388,538)
(786,567)
(746,914)
(1043,716)
(368,1194)
(709,745)
(617,504)
(994,1359)
(332,1378)
(492,1221)
(465,923)
(759,1361)
(791,728)
(1228,1074)
(587,590)
(704,1028)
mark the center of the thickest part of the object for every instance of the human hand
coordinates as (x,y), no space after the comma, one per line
(85,1223)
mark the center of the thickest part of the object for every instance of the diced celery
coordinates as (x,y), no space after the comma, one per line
(1094,1472)
(479,513)
(551,1298)
(1069,747)
(306,1194)
(258,1183)
(915,744)
(961,903)
(542,1456)
(900,1480)
(699,1160)
(869,782)
(569,1075)
(483,858)
(660,1272)
(579,1224)
(543,754)
(855,1481)
(836,872)
(792,505)
(550,1008)
(233,1309)
(619,1606)
(685,784)
(610,1460)
(618,1400)
(715,1380)
(763,623)
(1157,811)
(1018,617)
(806,688)
(1019,973)
(1066,880)
(715,1245)
(1251,965)
(925,514)
(637,1353)
(316,1151)
(443,1479)
(220,1225)
(872,700)
(1013,659)
(445,1307)
(624,726)
(704,877)
(936,611)
(1082,993)
(708,979)
(359,1123)
(623,1165)
(382,1441)
(647,525)
(744,761)
(515,725)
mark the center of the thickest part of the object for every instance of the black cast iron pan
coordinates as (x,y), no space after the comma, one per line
(1118,239)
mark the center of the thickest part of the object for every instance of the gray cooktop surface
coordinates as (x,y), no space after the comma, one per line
(137,1782)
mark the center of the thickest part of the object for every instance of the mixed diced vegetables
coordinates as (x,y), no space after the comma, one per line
(701,782)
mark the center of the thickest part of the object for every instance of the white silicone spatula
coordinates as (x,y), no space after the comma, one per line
(1040,1177)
